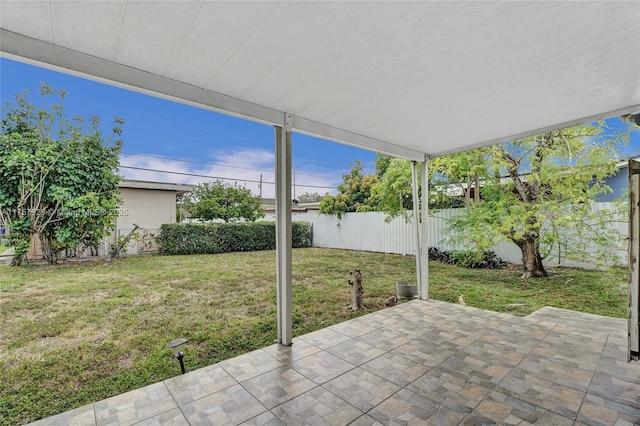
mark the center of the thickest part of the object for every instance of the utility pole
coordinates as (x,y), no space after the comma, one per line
(260,185)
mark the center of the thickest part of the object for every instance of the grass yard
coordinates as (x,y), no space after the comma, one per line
(81,332)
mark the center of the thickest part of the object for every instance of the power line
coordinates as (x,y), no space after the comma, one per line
(218,164)
(200,129)
(217,177)
(182,136)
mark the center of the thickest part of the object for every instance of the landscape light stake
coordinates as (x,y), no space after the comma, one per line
(174,344)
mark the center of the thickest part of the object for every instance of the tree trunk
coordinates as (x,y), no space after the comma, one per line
(531,259)
(356,290)
(48,251)
(115,252)
(476,193)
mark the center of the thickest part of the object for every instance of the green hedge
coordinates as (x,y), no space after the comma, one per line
(205,238)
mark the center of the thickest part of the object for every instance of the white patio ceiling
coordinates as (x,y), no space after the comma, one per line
(405,78)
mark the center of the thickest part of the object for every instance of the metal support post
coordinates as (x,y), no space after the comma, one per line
(423,291)
(283,229)
(416,221)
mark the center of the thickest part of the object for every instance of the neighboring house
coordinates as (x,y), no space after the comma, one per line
(269,206)
(147,204)
(619,183)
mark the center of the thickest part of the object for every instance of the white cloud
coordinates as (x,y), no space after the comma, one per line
(244,168)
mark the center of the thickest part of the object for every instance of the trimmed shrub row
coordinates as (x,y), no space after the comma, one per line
(485,259)
(210,238)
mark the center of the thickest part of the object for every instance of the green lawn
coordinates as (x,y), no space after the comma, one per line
(81,332)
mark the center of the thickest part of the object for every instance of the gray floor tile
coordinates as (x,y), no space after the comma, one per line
(321,367)
(356,352)
(455,391)
(230,406)
(286,354)
(429,354)
(135,406)
(250,365)
(597,411)
(197,384)
(362,389)
(317,407)
(324,338)
(170,418)
(396,368)
(623,390)
(384,339)
(264,419)
(407,407)
(543,393)
(501,409)
(82,416)
(365,420)
(278,386)
(352,329)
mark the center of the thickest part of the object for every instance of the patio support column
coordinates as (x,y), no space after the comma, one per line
(283,229)
(423,289)
(421,215)
(416,222)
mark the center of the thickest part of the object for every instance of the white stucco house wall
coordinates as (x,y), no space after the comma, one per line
(147,204)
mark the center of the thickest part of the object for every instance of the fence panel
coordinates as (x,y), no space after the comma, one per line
(369,232)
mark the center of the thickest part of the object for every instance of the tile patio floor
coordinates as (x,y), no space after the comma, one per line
(422,362)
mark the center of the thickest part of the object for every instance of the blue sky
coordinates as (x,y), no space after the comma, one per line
(168,136)
(160,134)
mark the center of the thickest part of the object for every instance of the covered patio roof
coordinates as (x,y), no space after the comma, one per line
(404,78)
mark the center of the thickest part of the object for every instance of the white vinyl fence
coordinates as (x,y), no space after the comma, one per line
(370,232)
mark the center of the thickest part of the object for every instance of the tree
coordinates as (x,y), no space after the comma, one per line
(209,201)
(537,193)
(310,197)
(58,177)
(462,172)
(393,191)
(354,193)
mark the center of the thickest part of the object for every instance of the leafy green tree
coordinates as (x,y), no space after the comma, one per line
(231,203)
(537,193)
(58,177)
(310,197)
(183,205)
(393,191)
(534,192)
(460,173)
(354,193)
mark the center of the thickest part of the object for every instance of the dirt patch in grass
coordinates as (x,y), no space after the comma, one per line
(82,332)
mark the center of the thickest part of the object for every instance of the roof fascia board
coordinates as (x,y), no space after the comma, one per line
(36,52)
(160,186)
(40,53)
(309,127)
(576,122)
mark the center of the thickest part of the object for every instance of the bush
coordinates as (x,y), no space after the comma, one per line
(205,238)
(440,255)
(474,259)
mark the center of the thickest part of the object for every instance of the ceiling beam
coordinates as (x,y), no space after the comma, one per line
(40,53)
(303,125)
